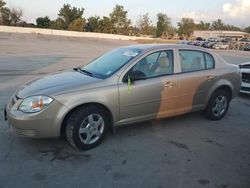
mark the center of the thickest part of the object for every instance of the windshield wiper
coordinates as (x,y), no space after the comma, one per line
(83,70)
(87,72)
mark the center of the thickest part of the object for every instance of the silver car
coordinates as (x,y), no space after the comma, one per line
(245,82)
(126,85)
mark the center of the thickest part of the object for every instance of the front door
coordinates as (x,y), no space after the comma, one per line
(153,97)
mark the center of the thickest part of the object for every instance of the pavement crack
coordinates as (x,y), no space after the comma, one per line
(5,158)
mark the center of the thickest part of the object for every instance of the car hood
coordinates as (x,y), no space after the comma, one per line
(55,83)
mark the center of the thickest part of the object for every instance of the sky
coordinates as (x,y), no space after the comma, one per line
(235,12)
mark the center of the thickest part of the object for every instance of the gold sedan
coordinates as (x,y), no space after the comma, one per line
(126,85)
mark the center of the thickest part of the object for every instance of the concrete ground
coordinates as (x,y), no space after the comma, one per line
(182,152)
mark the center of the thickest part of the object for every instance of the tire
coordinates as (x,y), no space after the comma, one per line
(218,105)
(86,127)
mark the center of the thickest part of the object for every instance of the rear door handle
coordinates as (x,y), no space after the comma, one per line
(170,84)
(210,78)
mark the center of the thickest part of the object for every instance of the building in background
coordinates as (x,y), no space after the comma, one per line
(220,34)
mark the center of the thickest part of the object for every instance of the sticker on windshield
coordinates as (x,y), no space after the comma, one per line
(130,53)
(109,72)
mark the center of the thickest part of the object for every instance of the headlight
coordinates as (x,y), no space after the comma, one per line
(34,104)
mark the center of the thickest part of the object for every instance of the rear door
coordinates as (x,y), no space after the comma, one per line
(196,78)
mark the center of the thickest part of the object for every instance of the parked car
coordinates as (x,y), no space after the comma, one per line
(200,39)
(221,45)
(198,43)
(247,48)
(209,44)
(126,85)
(244,40)
(205,43)
(245,72)
(212,39)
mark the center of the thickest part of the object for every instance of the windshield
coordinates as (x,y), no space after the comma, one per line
(110,62)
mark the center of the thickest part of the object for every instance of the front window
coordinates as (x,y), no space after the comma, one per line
(110,62)
(156,64)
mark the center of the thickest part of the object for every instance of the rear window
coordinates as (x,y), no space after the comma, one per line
(192,60)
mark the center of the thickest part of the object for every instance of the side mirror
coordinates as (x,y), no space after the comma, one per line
(135,75)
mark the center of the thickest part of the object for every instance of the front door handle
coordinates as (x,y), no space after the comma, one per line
(210,78)
(170,84)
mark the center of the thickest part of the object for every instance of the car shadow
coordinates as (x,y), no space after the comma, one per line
(244,96)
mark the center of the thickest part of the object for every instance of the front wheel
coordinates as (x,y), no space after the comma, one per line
(86,127)
(218,105)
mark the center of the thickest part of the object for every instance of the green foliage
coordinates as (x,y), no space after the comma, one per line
(68,14)
(15,16)
(57,24)
(71,18)
(105,25)
(247,29)
(25,24)
(186,27)
(203,26)
(145,25)
(163,25)
(5,16)
(232,28)
(43,22)
(218,25)
(93,24)
(2,4)
(119,20)
(77,25)
(9,16)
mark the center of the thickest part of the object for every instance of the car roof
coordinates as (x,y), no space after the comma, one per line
(149,47)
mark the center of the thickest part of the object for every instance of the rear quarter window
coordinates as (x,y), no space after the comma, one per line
(209,61)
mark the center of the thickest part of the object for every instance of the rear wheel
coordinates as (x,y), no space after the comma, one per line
(218,105)
(86,127)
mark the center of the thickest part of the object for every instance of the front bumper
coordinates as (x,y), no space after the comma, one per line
(44,124)
(245,88)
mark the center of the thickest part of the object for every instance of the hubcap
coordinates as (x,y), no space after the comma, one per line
(219,106)
(91,129)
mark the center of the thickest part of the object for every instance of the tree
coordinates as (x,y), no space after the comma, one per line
(92,24)
(119,20)
(172,31)
(57,24)
(68,14)
(218,25)
(247,29)
(232,28)
(2,4)
(145,25)
(9,16)
(43,22)
(105,25)
(5,16)
(186,27)
(163,24)
(77,25)
(203,25)
(15,16)
(25,24)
